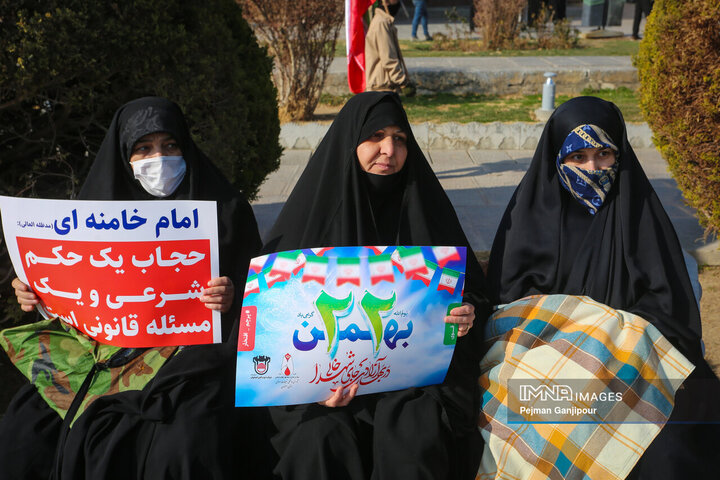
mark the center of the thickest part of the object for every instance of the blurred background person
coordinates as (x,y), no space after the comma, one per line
(385,68)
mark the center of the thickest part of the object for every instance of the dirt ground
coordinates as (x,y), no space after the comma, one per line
(11,380)
(710,310)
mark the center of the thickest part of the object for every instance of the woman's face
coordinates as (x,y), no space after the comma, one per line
(158,144)
(385,152)
(591,158)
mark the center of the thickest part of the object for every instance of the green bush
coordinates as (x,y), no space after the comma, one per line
(67,65)
(679,67)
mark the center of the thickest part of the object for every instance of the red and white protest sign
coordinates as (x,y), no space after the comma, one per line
(128,274)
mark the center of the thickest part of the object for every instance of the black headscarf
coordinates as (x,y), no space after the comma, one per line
(331,203)
(336,203)
(626,256)
(111,178)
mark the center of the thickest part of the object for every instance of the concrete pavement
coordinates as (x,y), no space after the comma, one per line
(480,184)
(504,75)
(441,22)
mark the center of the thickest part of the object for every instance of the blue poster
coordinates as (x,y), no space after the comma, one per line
(314,320)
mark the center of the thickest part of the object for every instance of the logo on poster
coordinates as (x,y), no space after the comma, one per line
(262,364)
(287,367)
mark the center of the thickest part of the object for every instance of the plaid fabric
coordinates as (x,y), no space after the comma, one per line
(562,339)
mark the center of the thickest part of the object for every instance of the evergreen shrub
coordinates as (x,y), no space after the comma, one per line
(67,65)
(679,67)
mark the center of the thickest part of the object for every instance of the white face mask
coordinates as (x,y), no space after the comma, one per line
(160,176)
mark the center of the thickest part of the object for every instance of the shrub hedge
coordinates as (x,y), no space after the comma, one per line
(679,67)
(67,65)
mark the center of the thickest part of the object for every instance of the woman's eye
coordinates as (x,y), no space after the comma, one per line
(140,148)
(400,138)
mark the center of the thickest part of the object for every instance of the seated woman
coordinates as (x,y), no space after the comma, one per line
(585,221)
(368,183)
(140,412)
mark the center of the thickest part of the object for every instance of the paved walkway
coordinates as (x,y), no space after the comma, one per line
(480,184)
(438,21)
(504,75)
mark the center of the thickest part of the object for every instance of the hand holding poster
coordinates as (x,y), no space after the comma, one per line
(125,273)
(315,320)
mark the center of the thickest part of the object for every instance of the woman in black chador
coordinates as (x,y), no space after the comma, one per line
(586,221)
(368,183)
(182,423)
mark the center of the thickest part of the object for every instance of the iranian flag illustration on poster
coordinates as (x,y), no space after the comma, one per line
(252,285)
(284,264)
(445,254)
(257,263)
(413,260)
(332,317)
(271,279)
(380,269)
(348,271)
(397,261)
(315,270)
(448,280)
(426,277)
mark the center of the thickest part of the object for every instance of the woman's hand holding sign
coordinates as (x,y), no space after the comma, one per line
(463,316)
(219,294)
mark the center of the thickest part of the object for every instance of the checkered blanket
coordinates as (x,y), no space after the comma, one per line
(612,371)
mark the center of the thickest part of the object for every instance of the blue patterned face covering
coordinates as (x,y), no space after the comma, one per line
(588,187)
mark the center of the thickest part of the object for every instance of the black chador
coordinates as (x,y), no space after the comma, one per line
(428,432)
(626,256)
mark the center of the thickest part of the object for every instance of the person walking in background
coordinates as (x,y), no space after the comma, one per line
(420,17)
(385,68)
(641,6)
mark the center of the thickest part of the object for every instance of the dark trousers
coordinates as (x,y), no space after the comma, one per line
(558,8)
(641,6)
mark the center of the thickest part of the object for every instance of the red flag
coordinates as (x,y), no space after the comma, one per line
(355,41)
